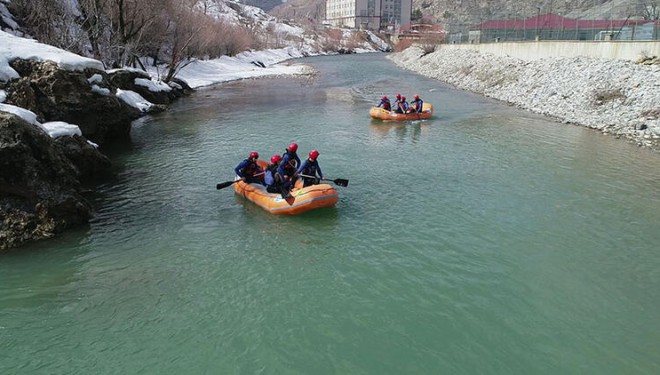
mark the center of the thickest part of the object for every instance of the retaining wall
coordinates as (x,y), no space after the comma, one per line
(623,50)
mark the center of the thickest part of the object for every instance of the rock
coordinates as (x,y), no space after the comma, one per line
(88,161)
(179,88)
(40,191)
(125,80)
(60,95)
(591,92)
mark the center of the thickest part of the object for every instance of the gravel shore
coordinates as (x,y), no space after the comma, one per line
(618,97)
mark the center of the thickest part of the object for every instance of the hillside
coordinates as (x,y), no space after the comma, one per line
(263,4)
(461,13)
(475,11)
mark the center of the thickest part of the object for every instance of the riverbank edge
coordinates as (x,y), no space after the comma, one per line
(617,97)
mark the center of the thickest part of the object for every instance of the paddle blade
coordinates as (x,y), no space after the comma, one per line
(340,182)
(224,185)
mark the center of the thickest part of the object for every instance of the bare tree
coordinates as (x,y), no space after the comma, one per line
(95,20)
(127,22)
(183,26)
(651,10)
(51,22)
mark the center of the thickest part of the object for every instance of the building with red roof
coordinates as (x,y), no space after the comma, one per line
(552,26)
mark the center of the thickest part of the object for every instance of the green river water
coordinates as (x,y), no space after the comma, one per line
(487,240)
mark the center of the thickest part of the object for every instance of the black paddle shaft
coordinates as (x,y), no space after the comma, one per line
(337,181)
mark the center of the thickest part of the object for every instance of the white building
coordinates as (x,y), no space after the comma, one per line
(368,14)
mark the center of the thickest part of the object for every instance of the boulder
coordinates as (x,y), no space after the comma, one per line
(61,95)
(125,79)
(86,158)
(40,189)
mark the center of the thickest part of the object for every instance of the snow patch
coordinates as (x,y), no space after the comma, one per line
(23,113)
(134,99)
(14,47)
(153,86)
(58,129)
(100,90)
(96,78)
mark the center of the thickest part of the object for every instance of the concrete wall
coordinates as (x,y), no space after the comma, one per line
(624,50)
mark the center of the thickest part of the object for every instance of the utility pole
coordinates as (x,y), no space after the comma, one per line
(538,15)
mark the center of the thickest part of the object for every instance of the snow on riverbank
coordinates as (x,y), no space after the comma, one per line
(14,47)
(614,96)
(201,73)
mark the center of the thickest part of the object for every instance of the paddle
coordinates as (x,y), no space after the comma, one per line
(225,184)
(337,181)
(230,183)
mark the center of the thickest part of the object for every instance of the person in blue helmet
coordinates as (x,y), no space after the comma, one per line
(385,103)
(249,170)
(290,163)
(310,167)
(417,104)
(275,182)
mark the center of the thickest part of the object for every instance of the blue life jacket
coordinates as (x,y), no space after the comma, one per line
(386,104)
(310,168)
(269,178)
(419,104)
(247,168)
(289,164)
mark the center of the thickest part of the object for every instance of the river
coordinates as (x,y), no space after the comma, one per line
(486,240)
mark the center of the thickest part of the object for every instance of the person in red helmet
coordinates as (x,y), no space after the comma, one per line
(397,101)
(249,170)
(276,183)
(310,167)
(290,163)
(417,104)
(385,103)
(402,105)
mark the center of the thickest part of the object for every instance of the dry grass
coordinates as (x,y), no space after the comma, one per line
(402,45)
(431,43)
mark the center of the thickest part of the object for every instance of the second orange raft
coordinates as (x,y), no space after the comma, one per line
(383,114)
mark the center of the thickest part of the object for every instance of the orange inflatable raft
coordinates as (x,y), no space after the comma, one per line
(300,200)
(383,114)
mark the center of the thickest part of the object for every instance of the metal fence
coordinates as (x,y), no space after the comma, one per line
(613,20)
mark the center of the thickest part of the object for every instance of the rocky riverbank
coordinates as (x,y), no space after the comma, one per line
(618,97)
(52,120)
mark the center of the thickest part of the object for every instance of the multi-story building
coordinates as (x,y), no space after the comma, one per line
(368,14)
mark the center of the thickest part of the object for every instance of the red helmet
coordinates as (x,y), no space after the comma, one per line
(293,147)
(254,154)
(275,159)
(313,154)
(383,98)
(403,98)
(416,97)
(398,96)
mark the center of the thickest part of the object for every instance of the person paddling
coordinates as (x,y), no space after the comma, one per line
(275,182)
(402,105)
(397,101)
(417,104)
(248,169)
(385,103)
(310,167)
(290,162)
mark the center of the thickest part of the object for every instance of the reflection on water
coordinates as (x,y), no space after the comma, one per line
(412,130)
